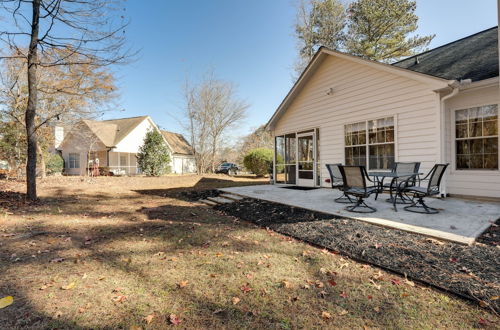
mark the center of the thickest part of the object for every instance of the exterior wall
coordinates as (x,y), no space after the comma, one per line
(182,164)
(73,144)
(134,140)
(469,182)
(363,93)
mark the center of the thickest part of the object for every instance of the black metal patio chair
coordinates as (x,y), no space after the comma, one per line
(338,183)
(401,167)
(355,178)
(434,178)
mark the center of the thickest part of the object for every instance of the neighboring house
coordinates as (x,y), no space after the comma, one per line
(114,142)
(440,106)
(183,160)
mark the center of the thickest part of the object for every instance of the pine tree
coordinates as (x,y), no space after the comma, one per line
(319,23)
(153,157)
(382,30)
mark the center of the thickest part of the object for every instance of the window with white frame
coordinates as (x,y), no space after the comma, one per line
(370,143)
(476,138)
(74,160)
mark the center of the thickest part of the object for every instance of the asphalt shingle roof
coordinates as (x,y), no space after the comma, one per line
(474,57)
(178,143)
(110,132)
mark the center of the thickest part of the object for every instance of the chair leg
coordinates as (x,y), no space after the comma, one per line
(419,206)
(360,207)
(344,199)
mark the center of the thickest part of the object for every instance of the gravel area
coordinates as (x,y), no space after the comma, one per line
(468,271)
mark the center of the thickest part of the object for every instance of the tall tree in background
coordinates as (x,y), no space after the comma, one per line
(92,30)
(382,30)
(319,23)
(212,109)
(65,94)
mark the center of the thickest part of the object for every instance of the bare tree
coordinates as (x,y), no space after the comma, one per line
(212,110)
(65,33)
(66,94)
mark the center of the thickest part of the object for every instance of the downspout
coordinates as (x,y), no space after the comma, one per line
(442,157)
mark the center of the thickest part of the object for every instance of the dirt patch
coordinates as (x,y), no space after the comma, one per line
(469,271)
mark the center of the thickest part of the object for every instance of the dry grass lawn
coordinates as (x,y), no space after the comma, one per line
(130,253)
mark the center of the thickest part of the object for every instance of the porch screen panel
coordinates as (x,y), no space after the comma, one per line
(476,133)
(290,158)
(279,159)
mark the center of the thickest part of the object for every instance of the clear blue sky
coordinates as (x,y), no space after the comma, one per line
(250,43)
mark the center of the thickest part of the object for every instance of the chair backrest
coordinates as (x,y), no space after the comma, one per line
(435,176)
(406,167)
(335,175)
(353,176)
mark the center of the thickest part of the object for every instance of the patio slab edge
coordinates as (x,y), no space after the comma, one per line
(384,223)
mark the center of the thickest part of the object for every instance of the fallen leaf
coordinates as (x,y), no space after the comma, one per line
(149,318)
(395,281)
(332,282)
(494,298)
(57,260)
(343,312)
(483,321)
(235,300)
(319,284)
(69,286)
(286,284)
(453,260)
(370,297)
(483,303)
(326,315)
(378,246)
(6,301)
(119,299)
(135,327)
(182,284)
(376,309)
(410,283)
(174,319)
(249,276)
(377,286)
(81,310)
(246,288)
(344,294)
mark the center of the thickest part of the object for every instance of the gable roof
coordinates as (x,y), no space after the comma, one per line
(177,143)
(474,57)
(111,132)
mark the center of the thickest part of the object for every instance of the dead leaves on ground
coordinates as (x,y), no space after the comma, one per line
(6,301)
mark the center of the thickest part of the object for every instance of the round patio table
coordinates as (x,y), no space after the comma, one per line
(380,176)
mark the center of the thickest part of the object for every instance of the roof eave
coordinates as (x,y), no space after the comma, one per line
(435,83)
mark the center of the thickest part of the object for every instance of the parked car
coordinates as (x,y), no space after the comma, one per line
(228,168)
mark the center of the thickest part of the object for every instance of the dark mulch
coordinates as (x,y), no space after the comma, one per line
(196,195)
(11,199)
(492,235)
(469,271)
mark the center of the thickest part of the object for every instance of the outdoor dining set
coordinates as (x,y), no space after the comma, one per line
(404,183)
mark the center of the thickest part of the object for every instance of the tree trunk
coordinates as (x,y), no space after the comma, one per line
(43,171)
(32,104)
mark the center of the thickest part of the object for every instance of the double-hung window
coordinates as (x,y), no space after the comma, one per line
(476,138)
(74,160)
(370,143)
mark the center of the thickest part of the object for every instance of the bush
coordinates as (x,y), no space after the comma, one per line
(55,164)
(153,157)
(259,161)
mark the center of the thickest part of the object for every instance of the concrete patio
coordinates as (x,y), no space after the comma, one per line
(459,220)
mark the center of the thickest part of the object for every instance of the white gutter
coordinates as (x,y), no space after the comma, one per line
(442,119)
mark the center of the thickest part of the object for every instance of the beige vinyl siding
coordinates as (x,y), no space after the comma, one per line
(469,182)
(361,93)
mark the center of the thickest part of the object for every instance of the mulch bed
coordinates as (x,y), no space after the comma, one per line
(472,272)
(492,235)
(196,195)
